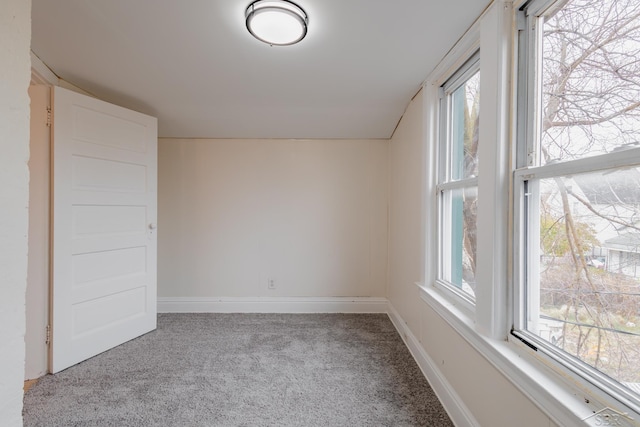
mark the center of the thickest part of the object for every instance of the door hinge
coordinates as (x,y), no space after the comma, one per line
(48,335)
(49,116)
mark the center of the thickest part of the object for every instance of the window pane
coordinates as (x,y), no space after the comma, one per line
(459,238)
(590,79)
(465,121)
(584,268)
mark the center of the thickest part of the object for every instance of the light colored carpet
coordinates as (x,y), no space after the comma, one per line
(245,370)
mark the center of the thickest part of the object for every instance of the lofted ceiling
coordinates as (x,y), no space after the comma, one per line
(194,65)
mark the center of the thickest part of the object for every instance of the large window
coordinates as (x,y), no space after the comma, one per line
(458,179)
(577,189)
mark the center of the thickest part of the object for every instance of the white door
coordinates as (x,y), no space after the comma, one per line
(104,196)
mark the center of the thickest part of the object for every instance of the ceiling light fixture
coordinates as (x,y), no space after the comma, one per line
(276,22)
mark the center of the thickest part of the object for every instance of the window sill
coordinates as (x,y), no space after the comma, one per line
(456,297)
(561,397)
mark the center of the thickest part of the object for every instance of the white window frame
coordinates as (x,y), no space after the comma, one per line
(491,35)
(446,185)
(564,397)
(525,179)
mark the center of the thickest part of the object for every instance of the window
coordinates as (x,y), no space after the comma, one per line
(577,187)
(458,179)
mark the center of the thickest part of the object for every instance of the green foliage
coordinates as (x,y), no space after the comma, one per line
(554,238)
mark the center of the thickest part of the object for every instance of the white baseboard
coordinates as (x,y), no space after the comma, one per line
(458,412)
(273,305)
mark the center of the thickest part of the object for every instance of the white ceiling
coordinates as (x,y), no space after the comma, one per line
(193,64)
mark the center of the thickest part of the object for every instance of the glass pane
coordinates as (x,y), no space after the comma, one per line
(465,122)
(590,79)
(584,268)
(459,238)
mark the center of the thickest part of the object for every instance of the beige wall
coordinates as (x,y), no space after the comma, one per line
(15,38)
(312,214)
(489,396)
(405,210)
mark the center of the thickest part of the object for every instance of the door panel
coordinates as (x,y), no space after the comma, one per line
(104,236)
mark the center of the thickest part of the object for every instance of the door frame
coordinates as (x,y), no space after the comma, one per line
(38,295)
(38,255)
(37,298)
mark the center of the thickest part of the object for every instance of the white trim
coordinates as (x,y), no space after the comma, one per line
(465,300)
(493,184)
(463,50)
(462,75)
(616,159)
(272,305)
(41,74)
(430,214)
(565,402)
(451,401)
(458,184)
(436,181)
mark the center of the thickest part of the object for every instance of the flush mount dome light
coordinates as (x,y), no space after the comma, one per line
(276,22)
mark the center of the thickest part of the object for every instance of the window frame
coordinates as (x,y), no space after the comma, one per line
(445,185)
(565,397)
(527,173)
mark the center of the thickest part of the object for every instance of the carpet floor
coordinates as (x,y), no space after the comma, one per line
(245,370)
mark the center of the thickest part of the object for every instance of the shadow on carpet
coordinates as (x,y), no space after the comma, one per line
(245,370)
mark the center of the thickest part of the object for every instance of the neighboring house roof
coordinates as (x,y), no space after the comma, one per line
(627,242)
(610,188)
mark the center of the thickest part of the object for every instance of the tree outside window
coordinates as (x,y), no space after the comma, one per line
(458,186)
(583,243)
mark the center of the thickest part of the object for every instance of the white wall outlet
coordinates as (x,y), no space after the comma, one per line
(271,283)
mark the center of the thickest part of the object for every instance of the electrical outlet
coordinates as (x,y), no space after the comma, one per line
(271,283)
